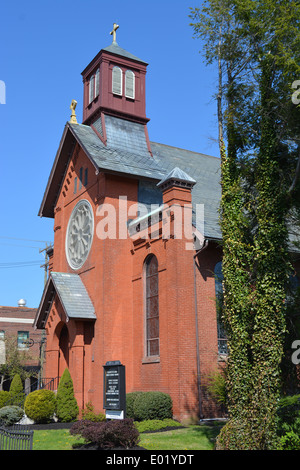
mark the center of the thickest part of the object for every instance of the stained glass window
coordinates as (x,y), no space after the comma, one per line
(152,306)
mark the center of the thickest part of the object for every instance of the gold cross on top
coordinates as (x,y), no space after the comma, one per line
(114,32)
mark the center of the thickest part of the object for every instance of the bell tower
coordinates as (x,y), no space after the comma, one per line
(114,84)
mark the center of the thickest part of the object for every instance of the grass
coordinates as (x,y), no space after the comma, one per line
(189,438)
(54,439)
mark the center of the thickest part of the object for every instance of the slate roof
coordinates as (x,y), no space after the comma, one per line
(72,294)
(206,171)
(114,48)
(125,151)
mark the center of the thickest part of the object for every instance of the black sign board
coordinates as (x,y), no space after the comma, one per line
(114,393)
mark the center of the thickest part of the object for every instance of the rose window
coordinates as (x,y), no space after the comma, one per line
(79,234)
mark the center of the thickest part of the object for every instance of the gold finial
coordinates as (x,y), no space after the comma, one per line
(73,119)
(114,32)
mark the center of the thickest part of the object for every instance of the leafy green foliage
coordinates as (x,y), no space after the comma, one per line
(216,386)
(288,414)
(257,48)
(4,398)
(290,441)
(156,424)
(89,414)
(66,405)
(10,415)
(150,405)
(130,399)
(16,391)
(40,406)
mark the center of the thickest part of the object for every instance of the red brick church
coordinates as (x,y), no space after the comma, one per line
(136,248)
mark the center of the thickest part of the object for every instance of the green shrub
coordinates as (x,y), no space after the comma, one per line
(40,405)
(130,399)
(17,391)
(89,414)
(290,441)
(152,405)
(156,424)
(4,398)
(66,405)
(288,414)
(11,414)
(216,386)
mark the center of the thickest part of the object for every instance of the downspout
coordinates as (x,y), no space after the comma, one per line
(204,246)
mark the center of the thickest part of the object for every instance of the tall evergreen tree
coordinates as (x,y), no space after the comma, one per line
(66,405)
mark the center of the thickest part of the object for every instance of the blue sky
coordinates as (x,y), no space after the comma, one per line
(44,46)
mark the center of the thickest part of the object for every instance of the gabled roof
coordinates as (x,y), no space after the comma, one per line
(124,154)
(72,294)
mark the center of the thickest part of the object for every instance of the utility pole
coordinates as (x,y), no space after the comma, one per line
(43,338)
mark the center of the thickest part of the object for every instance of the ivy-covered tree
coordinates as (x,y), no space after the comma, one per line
(256,46)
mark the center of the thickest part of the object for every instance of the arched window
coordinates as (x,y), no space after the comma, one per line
(129,84)
(151,306)
(222,339)
(117,81)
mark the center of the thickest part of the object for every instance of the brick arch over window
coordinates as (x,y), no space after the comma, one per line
(151,305)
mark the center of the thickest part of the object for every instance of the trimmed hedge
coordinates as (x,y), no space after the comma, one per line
(130,399)
(40,405)
(156,424)
(148,405)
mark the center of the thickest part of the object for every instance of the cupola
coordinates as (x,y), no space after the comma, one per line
(114,83)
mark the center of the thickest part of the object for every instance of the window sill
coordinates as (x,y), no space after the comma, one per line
(150,359)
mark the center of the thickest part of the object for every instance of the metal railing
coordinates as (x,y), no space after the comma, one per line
(16,437)
(46,383)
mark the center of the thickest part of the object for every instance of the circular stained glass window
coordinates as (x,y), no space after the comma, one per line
(79,234)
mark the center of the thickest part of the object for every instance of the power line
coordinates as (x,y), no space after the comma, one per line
(20,264)
(20,246)
(26,239)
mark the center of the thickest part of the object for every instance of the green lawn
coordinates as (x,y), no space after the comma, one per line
(190,438)
(59,439)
